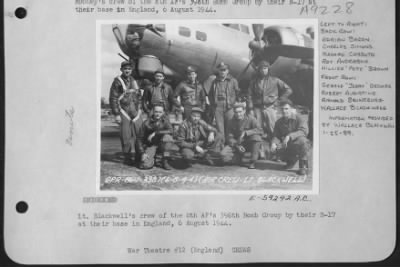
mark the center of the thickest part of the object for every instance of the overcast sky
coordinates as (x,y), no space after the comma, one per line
(110,60)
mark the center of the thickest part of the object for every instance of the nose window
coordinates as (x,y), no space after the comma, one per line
(160,27)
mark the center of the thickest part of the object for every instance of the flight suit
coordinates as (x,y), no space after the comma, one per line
(191,135)
(252,138)
(125,101)
(190,95)
(158,94)
(162,141)
(223,95)
(263,94)
(298,146)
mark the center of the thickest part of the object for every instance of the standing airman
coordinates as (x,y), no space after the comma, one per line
(158,92)
(125,105)
(264,94)
(190,92)
(223,95)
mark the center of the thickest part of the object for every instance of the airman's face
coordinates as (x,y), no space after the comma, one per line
(239,113)
(158,112)
(126,71)
(286,110)
(192,76)
(195,117)
(223,73)
(264,71)
(159,78)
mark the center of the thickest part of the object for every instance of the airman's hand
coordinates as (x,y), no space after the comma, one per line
(286,140)
(118,119)
(273,147)
(241,137)
(145,157)
(199,150)
(211,137)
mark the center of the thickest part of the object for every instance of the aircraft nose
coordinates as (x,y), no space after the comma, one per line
(160,27)
(136,28)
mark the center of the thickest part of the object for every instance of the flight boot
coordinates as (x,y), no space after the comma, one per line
(252,165)
(166,165)
(303,167)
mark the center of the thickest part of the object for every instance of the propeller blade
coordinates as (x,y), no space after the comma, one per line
(120,38)
(258,30)
(119,54)
(245,69)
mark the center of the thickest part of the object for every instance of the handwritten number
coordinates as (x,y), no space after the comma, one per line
(337,9)
(314,8)
(324,10)
(349,6)
(304,9)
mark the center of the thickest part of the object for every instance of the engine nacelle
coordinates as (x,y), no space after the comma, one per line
(279,35)
(147,65)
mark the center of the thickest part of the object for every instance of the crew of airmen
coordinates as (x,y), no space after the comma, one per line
(217,126)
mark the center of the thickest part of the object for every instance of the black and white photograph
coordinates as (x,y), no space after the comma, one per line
(207,106)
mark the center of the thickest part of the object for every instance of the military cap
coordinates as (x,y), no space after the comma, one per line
(191,69)
(158,104)
(197,109)
(159,71)
(239,105)
(222,66)
(126,63)
(264,64)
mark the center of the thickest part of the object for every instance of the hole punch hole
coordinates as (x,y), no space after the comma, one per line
(22,207)
(20,12)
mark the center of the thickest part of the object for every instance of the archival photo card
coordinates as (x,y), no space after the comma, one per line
(204,106)
(199,131)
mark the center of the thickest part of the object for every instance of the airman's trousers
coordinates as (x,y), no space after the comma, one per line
(164,148)
(213,149)
(298,148)
(128,133)
(266,118)
(222,116)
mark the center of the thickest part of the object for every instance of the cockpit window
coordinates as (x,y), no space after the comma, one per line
(202,36)
(184,31)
